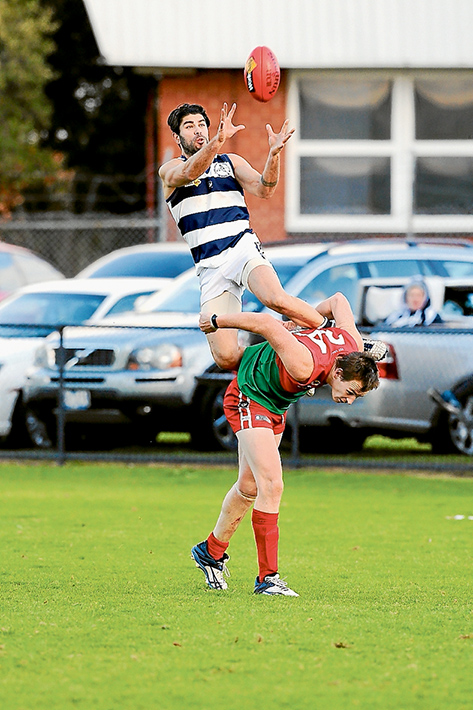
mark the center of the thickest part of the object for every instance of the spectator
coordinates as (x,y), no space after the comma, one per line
(417,308)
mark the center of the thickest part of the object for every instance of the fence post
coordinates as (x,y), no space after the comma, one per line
(295,453)
(61,415)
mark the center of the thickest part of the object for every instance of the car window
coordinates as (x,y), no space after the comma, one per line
(186,299)
(49,308)
(398,267)
(458,301)
(343,277)
(127,303)
(458,269)
(157,264)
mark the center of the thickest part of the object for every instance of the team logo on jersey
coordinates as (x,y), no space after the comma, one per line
(222,170)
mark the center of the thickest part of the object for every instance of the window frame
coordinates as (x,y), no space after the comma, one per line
(402,149)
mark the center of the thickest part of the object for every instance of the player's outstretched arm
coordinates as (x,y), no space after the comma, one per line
(337,307)
(296,357)
(263,184)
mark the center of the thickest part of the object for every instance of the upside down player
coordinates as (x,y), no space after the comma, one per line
(270,377)
(204,190)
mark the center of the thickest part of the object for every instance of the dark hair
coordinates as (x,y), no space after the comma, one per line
(361,367)
(176,116)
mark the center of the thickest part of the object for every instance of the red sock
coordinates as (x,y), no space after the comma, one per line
(265,528)
(216,547)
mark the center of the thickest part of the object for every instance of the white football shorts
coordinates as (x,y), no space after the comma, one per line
(232,274)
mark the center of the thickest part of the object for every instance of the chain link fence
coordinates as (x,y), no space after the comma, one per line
(297,450)
(72,242)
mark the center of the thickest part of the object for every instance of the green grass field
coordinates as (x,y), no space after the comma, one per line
(103,609)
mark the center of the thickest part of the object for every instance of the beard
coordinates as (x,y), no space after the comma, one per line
(188,148)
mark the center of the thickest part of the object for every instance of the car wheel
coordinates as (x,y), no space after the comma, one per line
(38,431)
(456,432)
(212,431)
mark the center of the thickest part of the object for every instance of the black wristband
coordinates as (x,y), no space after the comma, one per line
(268,184)
(324,323)
(213,320)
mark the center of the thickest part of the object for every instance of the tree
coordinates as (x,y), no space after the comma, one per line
(25,42)
(98,116)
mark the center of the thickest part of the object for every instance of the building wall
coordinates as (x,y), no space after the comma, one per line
(211,88)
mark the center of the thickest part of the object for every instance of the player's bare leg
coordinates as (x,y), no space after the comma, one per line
(259,447)
(264,283)
(261,450)
(237,502)
(210,555)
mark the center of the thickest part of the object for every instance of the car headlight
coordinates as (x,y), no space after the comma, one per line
(160,357)
(45,356)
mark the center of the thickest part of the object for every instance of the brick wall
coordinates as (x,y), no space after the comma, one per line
(211,88)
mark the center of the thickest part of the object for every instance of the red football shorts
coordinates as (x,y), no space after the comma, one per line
(244,413)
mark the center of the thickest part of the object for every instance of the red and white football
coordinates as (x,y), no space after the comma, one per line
(262,74)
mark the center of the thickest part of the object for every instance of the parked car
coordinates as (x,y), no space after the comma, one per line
(167,376)
(20,267)
(33,312)
(420,357)
(140,369)
(163,260)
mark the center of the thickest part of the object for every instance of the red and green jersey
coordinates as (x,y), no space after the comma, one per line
(263,378)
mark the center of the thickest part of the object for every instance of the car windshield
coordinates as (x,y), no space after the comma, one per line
(128,303)
(150,264)
(35,312)
(184,295)
(285,269)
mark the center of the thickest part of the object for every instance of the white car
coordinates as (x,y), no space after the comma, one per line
(33,312)
(164,260)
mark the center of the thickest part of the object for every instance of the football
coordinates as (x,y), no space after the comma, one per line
(262,74)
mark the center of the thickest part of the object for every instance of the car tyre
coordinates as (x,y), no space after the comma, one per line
(39,432)
(454,434)
(212,432)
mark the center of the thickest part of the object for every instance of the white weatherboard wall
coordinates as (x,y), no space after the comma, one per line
(303,34)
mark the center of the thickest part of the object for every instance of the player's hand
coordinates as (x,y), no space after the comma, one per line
(290,325)
(204,323)
(226,129)
(277,141)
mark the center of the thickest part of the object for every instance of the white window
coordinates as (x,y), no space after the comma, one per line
(380,152)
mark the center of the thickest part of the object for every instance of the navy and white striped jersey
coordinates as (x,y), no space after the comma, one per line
(211,213)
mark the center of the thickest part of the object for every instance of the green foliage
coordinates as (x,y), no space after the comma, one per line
(25,29)
(98,116)
(103,608)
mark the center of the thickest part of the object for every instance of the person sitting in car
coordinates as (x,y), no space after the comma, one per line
(416,309)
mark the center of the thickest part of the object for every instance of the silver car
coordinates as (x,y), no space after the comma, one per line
(139,370)
(158,374)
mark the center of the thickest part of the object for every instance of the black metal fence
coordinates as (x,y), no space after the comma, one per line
(291,455)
